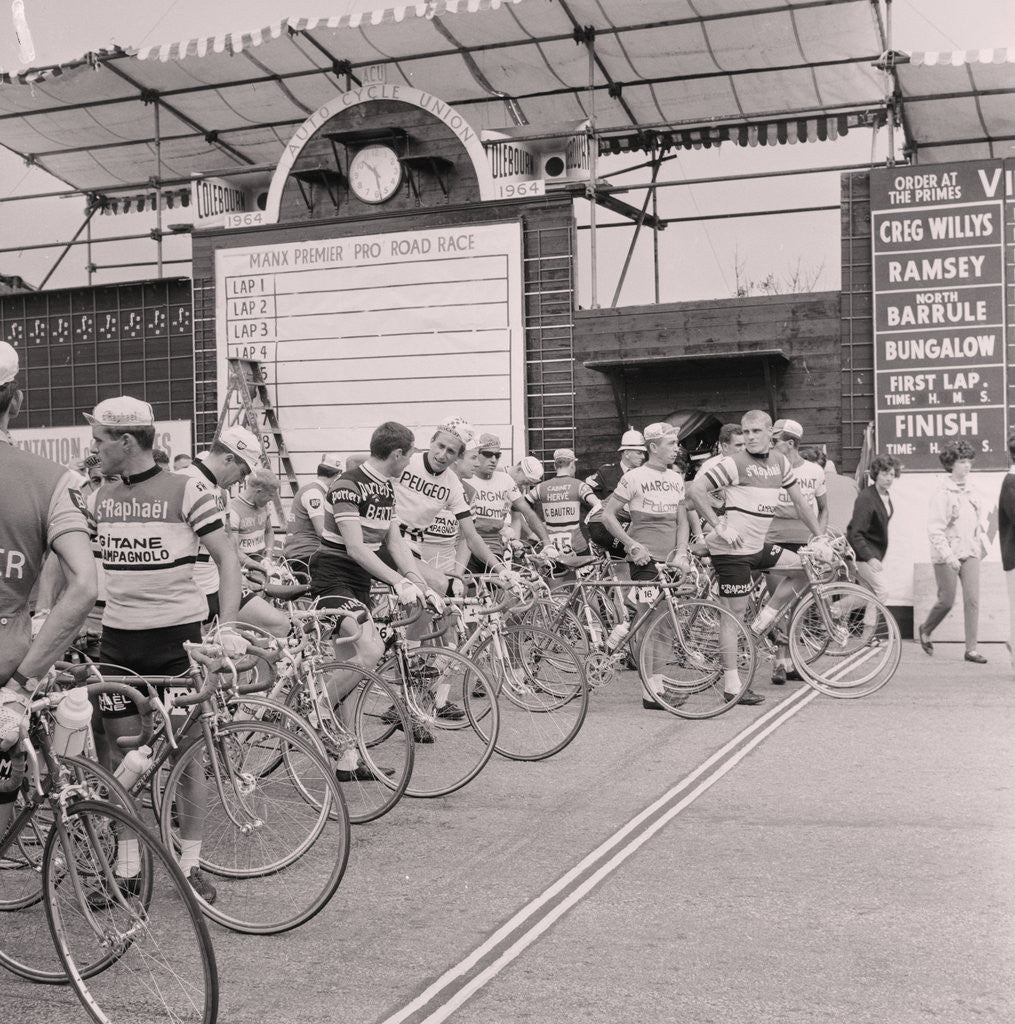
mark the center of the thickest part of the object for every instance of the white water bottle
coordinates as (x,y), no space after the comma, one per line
(134,764)
(71,720)
(26,48)
(617,635)
(764,619)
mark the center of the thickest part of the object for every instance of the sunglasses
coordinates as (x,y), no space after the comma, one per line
(490,455)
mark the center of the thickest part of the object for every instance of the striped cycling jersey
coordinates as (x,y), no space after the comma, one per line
(652,497)
(39,504)
(420,494)
(148,527)
(206,572)
(440,542)
(307,508)
(752,485)
(249,523)
(558,502)
(786,526)
(491,501)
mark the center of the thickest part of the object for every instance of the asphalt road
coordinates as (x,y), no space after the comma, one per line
(807,860)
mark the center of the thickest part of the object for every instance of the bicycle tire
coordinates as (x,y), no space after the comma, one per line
(24,931)
(381,746)
(144,951)
(556,618)
(449,753)
(681,663)
(542,693)
(250,817)
(855,662)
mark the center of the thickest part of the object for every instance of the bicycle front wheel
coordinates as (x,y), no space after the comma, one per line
(127,929)
(844,641)
(26,947)
(452,707)
(681,660)
(542,693)
(276,841)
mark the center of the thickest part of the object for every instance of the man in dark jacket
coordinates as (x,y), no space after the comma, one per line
(867,531)
(1006,536)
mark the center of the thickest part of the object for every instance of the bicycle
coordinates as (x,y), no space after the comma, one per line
(275,829)
(542,694)
(125,924)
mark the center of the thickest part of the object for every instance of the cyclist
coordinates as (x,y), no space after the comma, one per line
(558,503)
(305,520)
(43,513)
(786,529)
(150,524)
(526,472)
(359,518)
(737,542)
(493,495)
(443,547)
(248,518)
(653,496)
(731,440)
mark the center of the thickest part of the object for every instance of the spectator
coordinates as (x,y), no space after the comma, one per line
(957,539)
(1006,536)
(181,461)
(161,457)
(867,531)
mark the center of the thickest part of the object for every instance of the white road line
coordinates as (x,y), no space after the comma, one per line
(782,712)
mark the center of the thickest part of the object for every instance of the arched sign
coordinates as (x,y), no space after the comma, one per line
(400,94)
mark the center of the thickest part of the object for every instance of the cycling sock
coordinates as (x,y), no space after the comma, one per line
(441,694)
(128,858)
(731,681)
(190,854)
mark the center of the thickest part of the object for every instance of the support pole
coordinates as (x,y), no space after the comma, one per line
(655,228)
(590,42)
(68,246)
(90,264)
(634,240)
(890,87)
(158,191)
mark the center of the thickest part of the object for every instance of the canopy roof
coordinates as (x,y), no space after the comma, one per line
(233,101)
(958,105)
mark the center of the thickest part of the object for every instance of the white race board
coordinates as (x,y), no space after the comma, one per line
(411,326)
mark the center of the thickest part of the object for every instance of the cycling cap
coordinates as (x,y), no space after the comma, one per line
(123,411)
(330,465)
(564,455)
(789,427)
(531,469)
(459,427)
(657,431)
(243,444)
(8,363)
(633,441)
(491,442)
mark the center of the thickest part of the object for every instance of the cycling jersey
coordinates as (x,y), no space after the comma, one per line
(491,501)
(558,502)
(786,527)
(206,572)
(307,508)
(440,542)
(653,498)
(752,485)
(249,523)
(40,504)
(603,483)
(362,496)
(148,527)
(420,494)
(717,497)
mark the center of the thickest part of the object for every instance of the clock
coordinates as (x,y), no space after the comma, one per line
(375,173)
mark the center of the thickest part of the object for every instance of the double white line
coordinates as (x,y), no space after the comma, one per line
(458,984)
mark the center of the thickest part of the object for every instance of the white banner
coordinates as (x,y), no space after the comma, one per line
(67,445)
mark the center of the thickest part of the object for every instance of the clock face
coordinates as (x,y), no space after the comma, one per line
(375,174)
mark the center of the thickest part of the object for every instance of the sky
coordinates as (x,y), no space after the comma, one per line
(702,260)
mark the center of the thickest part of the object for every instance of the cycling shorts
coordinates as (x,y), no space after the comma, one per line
(148,652)
(602,538)
(246,596)
(734,571)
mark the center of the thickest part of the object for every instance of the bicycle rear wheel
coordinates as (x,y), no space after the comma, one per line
(681,662)
(27,947)
(135,950)
(541,691)
(277,841)
(852,655)
(452,706)
(384,752)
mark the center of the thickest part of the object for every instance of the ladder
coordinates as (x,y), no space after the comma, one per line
(248,403)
